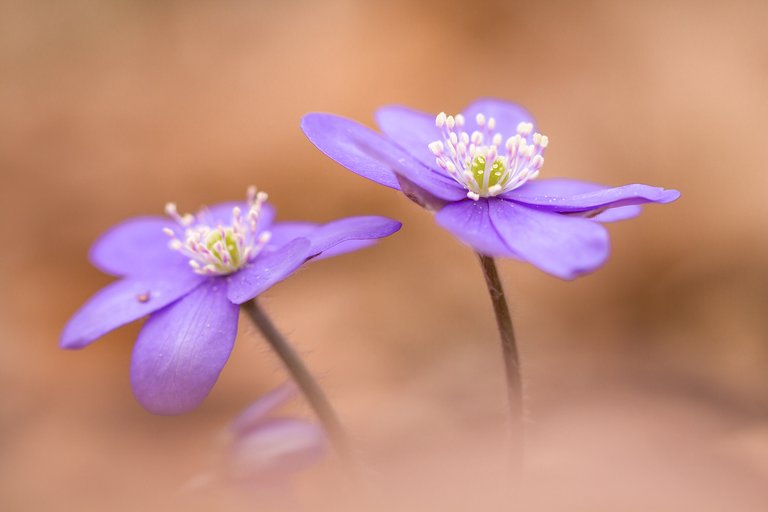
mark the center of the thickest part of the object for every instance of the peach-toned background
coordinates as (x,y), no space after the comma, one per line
(647,381)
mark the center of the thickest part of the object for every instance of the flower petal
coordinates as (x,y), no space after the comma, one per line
(561,195)
(182,349)
(507,115)
(365,152)
(411,129)
(275,449)
(564,187)
(285,232)
(470,221)
(617,214)
(564,246)
(259,410)
(268,269)
(136,246)
(221,214)
(351,228)
(125,301)
(334,238)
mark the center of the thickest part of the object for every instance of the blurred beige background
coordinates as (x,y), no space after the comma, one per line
(647,381)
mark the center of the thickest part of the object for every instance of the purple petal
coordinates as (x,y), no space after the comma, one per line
(411,130)
(275,449)
(257,412)
(182,349)
(470,221)
(137,246)
(559,196)
(344,248)
(351,228)
(561,245)
(370,155)
(125,301)
(564,187)
(221,214)
(284,232)
(560,187)
(617,214)
(507,115)
(268,269)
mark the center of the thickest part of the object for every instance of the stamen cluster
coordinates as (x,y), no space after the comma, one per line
(480,163)
(216,250)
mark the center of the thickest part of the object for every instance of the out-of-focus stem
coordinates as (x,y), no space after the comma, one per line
(511,359)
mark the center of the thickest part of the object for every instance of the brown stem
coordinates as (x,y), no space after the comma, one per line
(511,357)
(304,379)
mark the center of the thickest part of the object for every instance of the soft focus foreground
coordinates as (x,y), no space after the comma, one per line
(647,380)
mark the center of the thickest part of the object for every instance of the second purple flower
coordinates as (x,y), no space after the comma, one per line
(478,170)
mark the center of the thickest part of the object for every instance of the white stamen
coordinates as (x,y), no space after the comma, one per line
(480,162)
(221,249)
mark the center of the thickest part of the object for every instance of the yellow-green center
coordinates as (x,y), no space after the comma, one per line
(478,170)
(230,244)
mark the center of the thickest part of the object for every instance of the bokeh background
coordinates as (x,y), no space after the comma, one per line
(646,381)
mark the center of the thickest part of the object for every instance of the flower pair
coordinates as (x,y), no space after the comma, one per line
(478,170)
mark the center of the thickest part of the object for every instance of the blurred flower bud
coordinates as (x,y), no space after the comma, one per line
(266,449)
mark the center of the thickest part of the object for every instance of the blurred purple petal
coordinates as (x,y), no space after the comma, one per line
(182,349)
(507,115)
(561,245)
(556,196)
(365,152)
(136,246)
(411,130)
(285,232)
(470,221)
(276,448)
(267,270)
(125,301)
(221,214)
(258,411)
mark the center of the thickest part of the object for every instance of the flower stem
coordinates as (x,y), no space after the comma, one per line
(301,375)
(511,357)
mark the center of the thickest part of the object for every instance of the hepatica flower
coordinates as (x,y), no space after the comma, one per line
(190,273)
(480,171)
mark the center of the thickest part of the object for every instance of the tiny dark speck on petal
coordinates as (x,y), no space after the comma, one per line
(143,297)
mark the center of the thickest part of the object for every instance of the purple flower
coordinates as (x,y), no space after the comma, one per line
(190,273)
(478,170)
(267,449)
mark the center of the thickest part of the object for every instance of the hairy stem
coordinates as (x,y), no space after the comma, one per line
(306,382)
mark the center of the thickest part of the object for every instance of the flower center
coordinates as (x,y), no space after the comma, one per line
(480,163)
(215,248)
